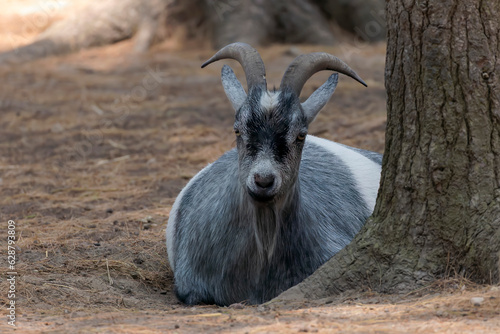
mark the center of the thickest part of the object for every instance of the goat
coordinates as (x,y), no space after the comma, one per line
(268,213)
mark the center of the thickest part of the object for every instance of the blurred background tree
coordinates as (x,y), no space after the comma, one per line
(215,22)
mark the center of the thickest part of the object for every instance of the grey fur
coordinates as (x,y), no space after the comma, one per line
(267,214)
(320,97)
(233,88)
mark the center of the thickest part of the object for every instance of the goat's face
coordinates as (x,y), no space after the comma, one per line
(270,130)
(271,126)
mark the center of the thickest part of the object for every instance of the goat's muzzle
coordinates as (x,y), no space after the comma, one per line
(263,187)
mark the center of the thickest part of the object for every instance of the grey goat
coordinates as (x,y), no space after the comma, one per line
(268,213)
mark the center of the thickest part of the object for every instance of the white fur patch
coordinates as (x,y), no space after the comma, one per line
(172,219)
(366,172)
(269,100)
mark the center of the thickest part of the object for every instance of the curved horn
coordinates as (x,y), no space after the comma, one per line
(304,66)
(250,60)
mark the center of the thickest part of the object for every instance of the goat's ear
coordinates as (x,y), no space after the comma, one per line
(233,88)
(320,97)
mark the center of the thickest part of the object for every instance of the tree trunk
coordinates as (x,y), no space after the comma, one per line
(259,22)
(364,18)
(438,209)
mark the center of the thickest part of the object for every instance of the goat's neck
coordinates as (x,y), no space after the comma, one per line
(268,219)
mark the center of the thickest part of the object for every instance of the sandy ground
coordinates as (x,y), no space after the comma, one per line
(94,148)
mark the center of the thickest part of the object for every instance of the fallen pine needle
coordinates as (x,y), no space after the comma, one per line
(205,315)
(109,275)
(60,285)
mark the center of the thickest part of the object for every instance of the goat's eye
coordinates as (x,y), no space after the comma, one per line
(237,132)
(301,136)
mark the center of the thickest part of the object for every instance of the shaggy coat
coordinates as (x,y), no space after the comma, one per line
(268,213)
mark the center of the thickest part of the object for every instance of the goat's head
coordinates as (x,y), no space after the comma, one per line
(271,126)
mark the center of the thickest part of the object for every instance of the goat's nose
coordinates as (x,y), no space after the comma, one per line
(264,181)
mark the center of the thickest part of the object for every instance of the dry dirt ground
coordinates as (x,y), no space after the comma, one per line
(94,148)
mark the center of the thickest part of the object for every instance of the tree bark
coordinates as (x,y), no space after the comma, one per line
(438,209)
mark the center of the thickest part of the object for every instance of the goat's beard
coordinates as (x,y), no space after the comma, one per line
(266,219)
(266,223)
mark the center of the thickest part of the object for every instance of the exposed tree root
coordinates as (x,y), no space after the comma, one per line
(94,24)
(102,22)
